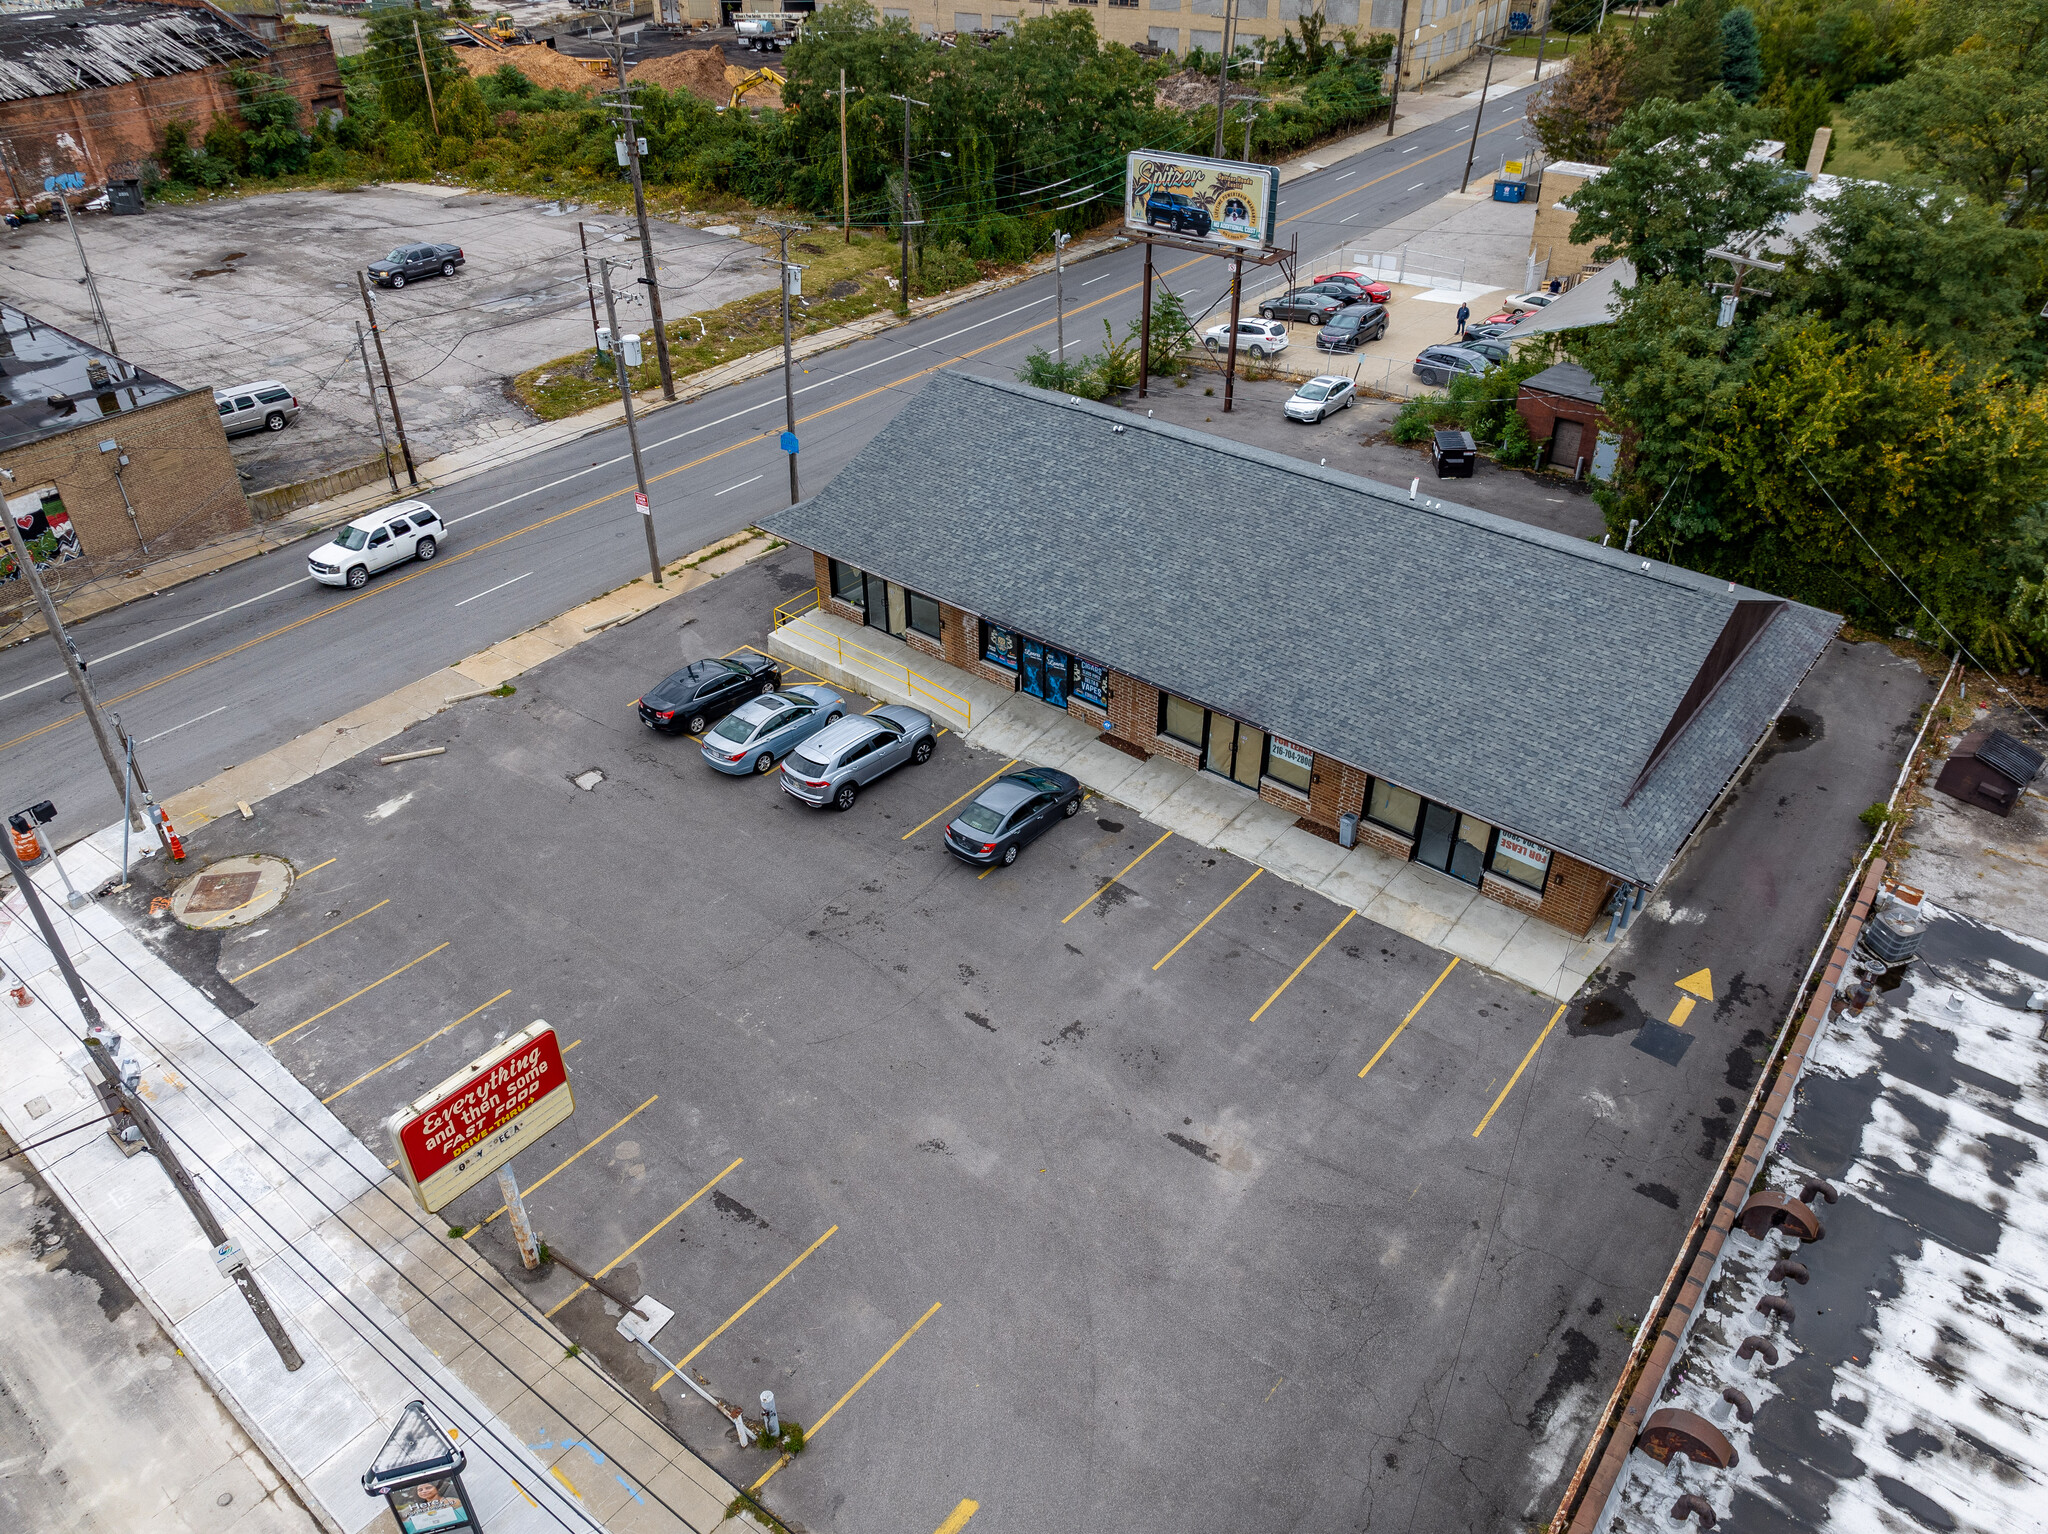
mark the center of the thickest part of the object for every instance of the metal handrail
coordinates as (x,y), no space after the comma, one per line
(783,614)
(916,681)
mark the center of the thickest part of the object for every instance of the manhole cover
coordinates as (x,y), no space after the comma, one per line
(233,892)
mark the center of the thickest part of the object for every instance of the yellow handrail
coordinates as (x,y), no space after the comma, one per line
(911,679)
(783,614)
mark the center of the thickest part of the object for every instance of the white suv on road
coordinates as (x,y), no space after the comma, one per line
(409,530)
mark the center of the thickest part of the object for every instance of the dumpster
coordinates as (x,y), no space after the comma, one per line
(1453,453)
(1510,191)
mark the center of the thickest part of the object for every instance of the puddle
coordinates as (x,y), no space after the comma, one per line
(1797,728)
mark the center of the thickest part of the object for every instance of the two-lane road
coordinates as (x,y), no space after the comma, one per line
(225,667)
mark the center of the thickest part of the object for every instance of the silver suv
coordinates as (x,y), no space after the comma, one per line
(264,406)
(833,764)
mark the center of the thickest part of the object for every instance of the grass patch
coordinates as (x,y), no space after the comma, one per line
(1872,162)
(747,1502)
(504,691)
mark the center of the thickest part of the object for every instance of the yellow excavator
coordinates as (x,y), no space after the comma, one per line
(503,29)
(760,77)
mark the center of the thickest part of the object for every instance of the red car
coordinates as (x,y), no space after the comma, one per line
(1378,292)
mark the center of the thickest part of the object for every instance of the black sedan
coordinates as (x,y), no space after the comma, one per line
(704,690)
(410,261)
(1013,810)
(1302,306)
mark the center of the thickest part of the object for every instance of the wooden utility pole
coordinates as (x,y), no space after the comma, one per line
(1400,58)
(376,413)
(788,365)
(845,167)
(903,222)
(1223,80)
(1542,42)
(650,275)
(642,502)
(412,474)
(426,79)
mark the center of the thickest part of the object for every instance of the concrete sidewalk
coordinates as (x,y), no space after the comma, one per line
(383,1307)
(1418,902)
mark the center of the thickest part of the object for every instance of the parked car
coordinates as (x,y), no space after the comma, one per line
(836,763)
(1489,330)
(409,530)
(1529,303)
(1319,396)
(1009,814)
(1378,292)
(1261,338)
(1438,364)
(265,406)
(1181,214)
(689,699)
(1350,328)
(1342,289)
(1301,305)
(409,262)
(763,730)
(1494,351)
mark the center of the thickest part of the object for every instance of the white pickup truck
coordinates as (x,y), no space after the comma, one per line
(768,31)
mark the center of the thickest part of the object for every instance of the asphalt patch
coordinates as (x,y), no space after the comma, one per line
(1661,1041)
(1658,1193)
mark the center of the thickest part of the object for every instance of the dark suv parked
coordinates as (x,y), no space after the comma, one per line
(1180,214)
(1348,329)
(410,261)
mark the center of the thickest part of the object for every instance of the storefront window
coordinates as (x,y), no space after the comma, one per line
(1180,719)
(999,646)
(1087,682)
(1468,853)
(849,585)
(1288,763)
(924,614)
(1394,808)
(1518,858)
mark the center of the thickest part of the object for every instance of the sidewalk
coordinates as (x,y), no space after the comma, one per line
(383,1307)
(1418,902)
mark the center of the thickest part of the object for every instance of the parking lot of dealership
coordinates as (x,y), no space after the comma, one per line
(1190,1269)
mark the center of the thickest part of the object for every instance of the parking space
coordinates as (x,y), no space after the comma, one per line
(1129,1178)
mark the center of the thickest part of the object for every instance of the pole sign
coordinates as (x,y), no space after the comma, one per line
(482,1116)
(640,503)
(1225,203)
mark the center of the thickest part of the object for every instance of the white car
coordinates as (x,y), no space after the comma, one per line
(409,530)
(1319,396)
(1529,303)
(1258,339)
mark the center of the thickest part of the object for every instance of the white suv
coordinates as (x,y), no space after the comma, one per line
(409,530)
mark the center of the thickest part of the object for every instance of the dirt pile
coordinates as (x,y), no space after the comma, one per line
(543,66)
(700,71)
(1185,91)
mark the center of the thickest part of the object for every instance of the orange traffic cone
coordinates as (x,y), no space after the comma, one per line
(26,847)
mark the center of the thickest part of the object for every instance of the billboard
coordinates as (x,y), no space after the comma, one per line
(455,1136)
(1225,203)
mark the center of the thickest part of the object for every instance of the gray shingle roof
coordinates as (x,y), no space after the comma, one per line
(1511,672)
(1567,379)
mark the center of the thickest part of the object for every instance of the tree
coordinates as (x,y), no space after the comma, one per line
(1581,107)
(1172,334)
(1742,60)
(1974,108)
(394,59)
(272,144)
(1678,51)
(1796,110)
(1681,182)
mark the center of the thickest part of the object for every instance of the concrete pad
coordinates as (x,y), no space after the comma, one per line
(1064,738)
(1408,919)
(1435,892)
(1202,807)
(1535,957)
(1301,857)
(1358,877)
(1152,784)
(1101,767)
(1253,831)
(1484,930)
(1014,726)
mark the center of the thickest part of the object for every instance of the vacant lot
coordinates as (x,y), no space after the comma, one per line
(237,289)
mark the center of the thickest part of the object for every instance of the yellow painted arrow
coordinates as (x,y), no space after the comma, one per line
(1701,984)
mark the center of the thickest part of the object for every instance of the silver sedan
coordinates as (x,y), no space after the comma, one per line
(754,736)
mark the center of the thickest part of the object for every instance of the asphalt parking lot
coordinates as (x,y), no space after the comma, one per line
(1118,1186)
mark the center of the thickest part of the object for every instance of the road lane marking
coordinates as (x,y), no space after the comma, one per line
(309,941)
(280,1038)
(740,486)
(819,1426)
(423,1043)
(651,1234)
(1418,186)
(1093,280)
(1490,1112)
(684,1361)
(957,1519)
(536,1187)
(1346,176)
(1134,862)
(500,587)
(317,867)
(1304,964)
(1177,947)
(984,783)
(1440,979)
(177,727)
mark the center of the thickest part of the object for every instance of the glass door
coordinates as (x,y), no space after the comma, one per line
(1031,668)
(1042,671)
(1235,751)
(877,603)
(1452,843)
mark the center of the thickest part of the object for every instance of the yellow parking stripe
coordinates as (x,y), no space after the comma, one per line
(423,1043)
(352,995)
(984,783)
(1375,1060)
(314,938)
(1134,862)
(651,1234)
(1177,947)
(535,1187)
(1490,1112)
(684,1361)
(819,1426)
(1304,964)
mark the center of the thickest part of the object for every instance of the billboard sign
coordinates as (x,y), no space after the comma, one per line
(455,1136)
(1224,203)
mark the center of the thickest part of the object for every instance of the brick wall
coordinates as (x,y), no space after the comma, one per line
(1335,788)
(1509,893)
(1541,411)
(1573,897)
(970,654)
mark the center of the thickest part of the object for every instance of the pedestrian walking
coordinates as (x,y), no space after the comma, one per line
(1557,285)
(1464,314)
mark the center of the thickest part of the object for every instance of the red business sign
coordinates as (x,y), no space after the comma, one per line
(479,1118)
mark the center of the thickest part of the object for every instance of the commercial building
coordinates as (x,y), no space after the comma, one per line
(109,462)
(1543,719)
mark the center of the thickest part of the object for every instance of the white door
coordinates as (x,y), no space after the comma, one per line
(403,538)
(380,551)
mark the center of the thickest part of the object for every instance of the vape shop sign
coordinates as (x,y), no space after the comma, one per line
(470,1125)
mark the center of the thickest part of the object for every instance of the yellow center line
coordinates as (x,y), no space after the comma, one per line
(353,994)
(1440,979)
(423,1043)
(684,1361)
(1490,1112)
(1304,964)
(629,1251)
(957,1519)
(819,1426)
(1134,862)
(317,867)
(1177,947)
(536,1187)
(984,783)
(311,940)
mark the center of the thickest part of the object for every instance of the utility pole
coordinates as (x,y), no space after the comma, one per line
(92,285)
(650,277)
(845,165)
(376,412)
(788,389)
(1059,290)
(1253,101)
(1478,116)
(74,663)
(1223,79)
(1400,57)
(641,502)
(1542,42)
(426,79)
(100,1049)
(589,282)
(412,474)
(904,221)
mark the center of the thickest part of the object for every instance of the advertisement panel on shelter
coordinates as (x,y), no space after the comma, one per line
(1225,203)
(467,1127)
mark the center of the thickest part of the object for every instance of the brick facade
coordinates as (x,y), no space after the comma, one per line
(1541,411)
(1509,893)
(1574,895)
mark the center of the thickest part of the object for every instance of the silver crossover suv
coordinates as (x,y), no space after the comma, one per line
(833,764)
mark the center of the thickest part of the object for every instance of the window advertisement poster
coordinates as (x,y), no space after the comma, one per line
(430,1505)
(1224,203)
(1088,681)
(1294,756)
(1521,859)
(999,646)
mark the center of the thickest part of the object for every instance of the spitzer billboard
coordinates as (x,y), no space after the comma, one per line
(1224,203)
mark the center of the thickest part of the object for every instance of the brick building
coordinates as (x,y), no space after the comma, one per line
(89,91)
(1542,718)
(1561,408)
(108,461)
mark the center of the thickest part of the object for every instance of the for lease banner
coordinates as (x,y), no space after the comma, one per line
(467,1127)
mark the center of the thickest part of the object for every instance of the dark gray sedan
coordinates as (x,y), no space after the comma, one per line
(1011,812)
(408,262)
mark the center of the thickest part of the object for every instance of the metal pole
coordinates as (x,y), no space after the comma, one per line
(651,276)
(1478,115)
(127,504)
(845,167)
(150,812)
(426,79)
(1223,81)
(1059,291)
(376,411)
(515,1211)
(73,662)
(788,361)
(904,220)
(1145,329)
(127,799)
(92,286)
(641,502)
(412,474)
(1399,57)
(1542,42)
(589,282)
(99,1051)
(1230,363)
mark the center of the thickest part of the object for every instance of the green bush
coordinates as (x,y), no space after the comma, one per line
(1079,376)
(1517,449)
(1420,416)
(942,268)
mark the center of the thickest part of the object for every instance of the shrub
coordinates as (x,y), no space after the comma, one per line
(1420,416)
(1517,449)
(942,268)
